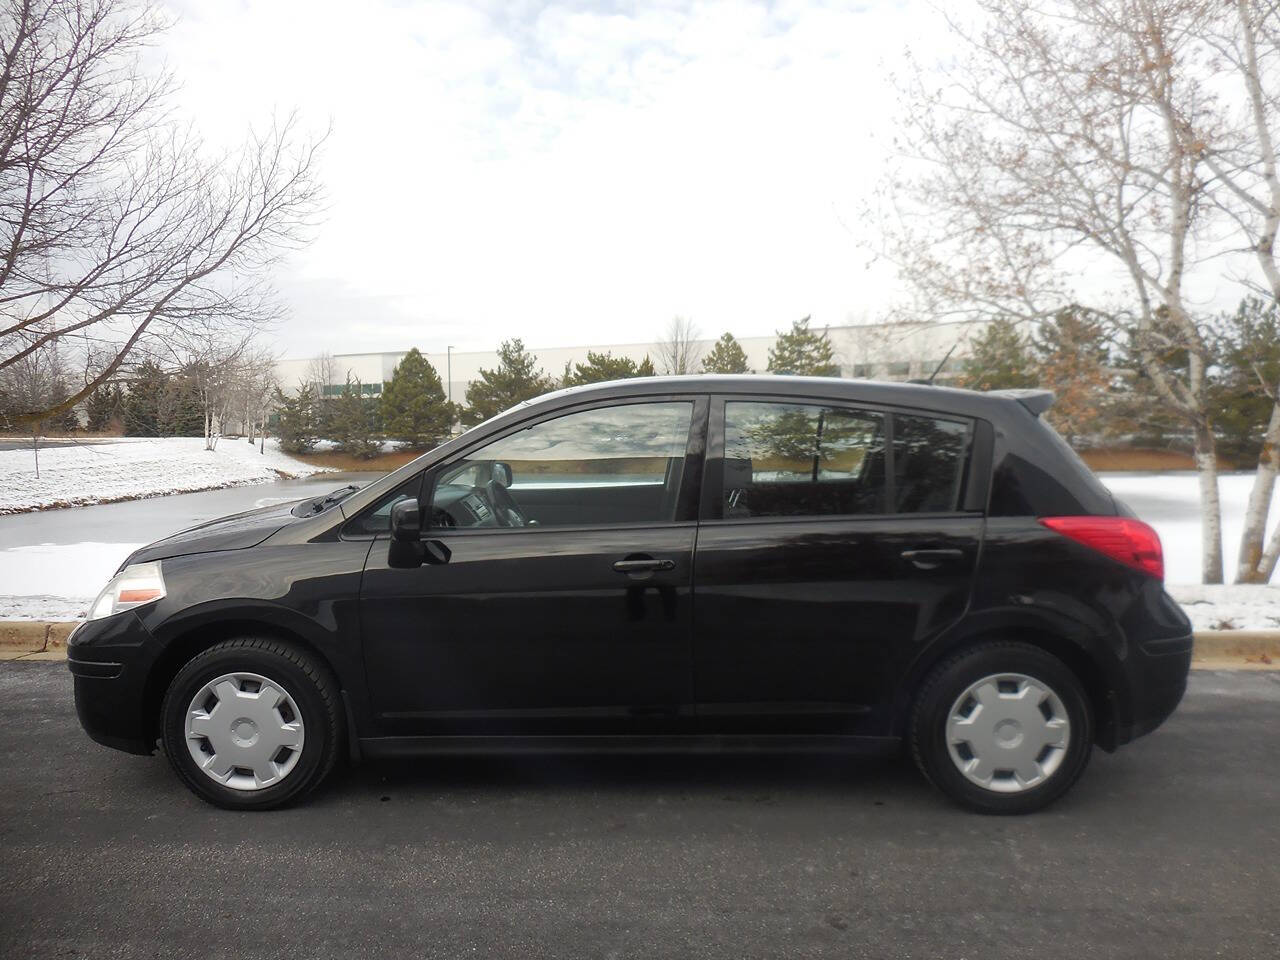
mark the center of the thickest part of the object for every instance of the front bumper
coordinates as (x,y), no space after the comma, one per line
(110,660)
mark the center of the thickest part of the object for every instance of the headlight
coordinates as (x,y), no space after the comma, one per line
(135,585)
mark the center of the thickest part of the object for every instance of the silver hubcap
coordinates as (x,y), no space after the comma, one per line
(244,731)
(1008,732)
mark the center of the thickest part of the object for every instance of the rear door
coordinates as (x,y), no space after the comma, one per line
(835,541)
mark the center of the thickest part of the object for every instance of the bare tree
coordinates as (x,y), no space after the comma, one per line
(115,225)
(37,380)
(1071,126)
(253,391)
(679,350)
(1244,165)
(322,371)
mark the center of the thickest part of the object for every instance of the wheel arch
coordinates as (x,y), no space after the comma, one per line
(190,643)
(1105,688)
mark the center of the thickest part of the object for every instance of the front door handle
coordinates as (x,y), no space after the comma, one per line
(931,559)
(643,565)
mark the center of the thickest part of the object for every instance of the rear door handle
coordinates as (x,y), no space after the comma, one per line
(647,565)
(931,559)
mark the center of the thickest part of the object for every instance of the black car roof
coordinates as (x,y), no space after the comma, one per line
(920,395)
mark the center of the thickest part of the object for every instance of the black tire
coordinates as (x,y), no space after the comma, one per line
(301,676)
(941,689)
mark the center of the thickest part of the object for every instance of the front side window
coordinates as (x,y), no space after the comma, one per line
(789,459)
(376,518)
(620,464)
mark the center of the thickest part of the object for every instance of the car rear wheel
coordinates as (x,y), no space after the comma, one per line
(1002,728)
(251,724)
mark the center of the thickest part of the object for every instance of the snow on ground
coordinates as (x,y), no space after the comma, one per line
(1229,607)
(49,581)
(122,468)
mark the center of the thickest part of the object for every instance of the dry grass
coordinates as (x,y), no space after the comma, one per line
(382,463)
(1129,458)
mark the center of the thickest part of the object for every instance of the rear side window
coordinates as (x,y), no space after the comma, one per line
(787,460)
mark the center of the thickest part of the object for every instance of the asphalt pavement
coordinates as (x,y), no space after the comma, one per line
(1168,848)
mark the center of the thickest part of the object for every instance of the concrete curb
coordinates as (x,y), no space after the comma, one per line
(1250,644)
(47,640)
(25,637)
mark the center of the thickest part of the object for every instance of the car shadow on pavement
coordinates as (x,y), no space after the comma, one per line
(761,778)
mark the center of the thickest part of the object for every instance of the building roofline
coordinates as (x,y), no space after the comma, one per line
(647,343)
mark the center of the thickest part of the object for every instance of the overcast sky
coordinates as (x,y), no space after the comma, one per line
(565,172)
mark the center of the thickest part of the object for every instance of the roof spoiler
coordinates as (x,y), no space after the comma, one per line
(1037,401)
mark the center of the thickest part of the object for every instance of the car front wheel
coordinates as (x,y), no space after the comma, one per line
(251,724)
(1002,728)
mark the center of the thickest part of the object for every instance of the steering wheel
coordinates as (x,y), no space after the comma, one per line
(505,507)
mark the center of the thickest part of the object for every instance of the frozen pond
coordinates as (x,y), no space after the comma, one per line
(142,521)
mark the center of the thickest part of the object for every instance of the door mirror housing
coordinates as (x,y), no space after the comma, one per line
(406,522)
(500,473)
(408,549)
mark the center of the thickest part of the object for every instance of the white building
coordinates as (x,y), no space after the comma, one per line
(897,351)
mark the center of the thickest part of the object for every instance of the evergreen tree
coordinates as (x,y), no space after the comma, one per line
(325,407)
(101,407)
(414,408)
(803,353)
(515,379)
(1248,348)
(184,413)
(145,401)
(66,422)
(605,366)
(1000,359)
(297,426)
(727,356)
(355,422)
(1073,360)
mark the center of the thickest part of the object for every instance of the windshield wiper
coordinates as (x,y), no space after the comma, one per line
(320,504)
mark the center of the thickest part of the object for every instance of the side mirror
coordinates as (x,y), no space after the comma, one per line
(408,549)
(501,473)
(406,522)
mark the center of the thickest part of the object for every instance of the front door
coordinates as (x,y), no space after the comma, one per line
(834,544)
(565,605)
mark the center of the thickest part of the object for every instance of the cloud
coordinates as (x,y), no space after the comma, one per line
(565,172)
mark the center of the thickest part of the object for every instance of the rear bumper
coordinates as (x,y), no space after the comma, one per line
(1157,672)
(109,660)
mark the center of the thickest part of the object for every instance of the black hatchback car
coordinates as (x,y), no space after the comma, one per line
(686,563)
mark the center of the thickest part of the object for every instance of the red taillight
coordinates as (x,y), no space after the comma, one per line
(1130,541)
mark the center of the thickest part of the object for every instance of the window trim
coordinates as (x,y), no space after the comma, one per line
(687,496)
(712,500)
(344,530)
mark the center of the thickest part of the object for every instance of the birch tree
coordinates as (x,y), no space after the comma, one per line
(1068,129)
(1244,166)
